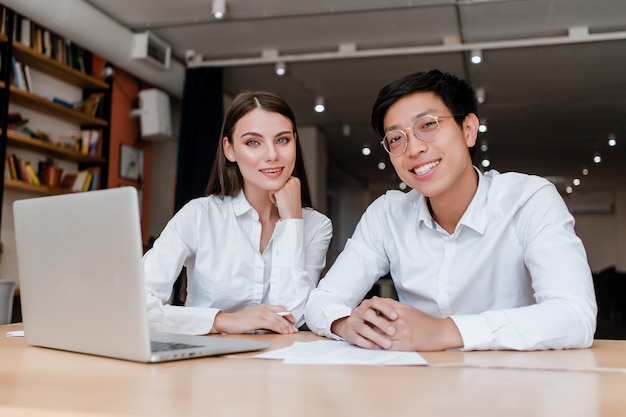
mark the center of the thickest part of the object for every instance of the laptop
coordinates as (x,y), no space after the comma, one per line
(81,280)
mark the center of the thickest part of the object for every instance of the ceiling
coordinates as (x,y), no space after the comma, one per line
(553,71)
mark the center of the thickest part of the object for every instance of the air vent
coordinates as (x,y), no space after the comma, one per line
(148,47)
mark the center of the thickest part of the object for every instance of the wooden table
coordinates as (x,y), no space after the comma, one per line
(43,382)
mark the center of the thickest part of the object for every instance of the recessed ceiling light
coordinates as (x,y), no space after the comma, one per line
(219,9)
(476,56)
(280,68)
(319,104)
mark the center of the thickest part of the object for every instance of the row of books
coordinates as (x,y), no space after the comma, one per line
(92,105)
(20,170)
(46,42)
(85,180)
(86,141)
(20,75)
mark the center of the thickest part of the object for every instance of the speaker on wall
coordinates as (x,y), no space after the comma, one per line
(154,115)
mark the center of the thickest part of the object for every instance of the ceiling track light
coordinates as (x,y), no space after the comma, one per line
(219,9)
(476,56)
(482,127)
(280,68)
(319,104)
(597,158)
(612,140)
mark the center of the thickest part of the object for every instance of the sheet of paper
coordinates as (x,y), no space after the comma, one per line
(335,352)
(16,333)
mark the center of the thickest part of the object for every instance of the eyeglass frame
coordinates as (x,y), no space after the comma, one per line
(406,135)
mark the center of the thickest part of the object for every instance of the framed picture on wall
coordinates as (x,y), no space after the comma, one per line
(131,163)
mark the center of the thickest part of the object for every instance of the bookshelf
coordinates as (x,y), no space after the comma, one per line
(54,64)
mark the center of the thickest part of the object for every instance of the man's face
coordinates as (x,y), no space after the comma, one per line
(435,167)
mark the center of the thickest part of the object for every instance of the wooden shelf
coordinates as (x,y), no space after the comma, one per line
(54,68)
(34,189)
(25,142)
(71,79)
(50,108)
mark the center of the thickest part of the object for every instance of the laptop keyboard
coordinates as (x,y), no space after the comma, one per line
(165,346)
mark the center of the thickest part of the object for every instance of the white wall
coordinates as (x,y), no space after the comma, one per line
(163,175)
(313,144)
(601,225)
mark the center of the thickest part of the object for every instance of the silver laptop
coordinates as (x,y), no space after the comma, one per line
(81,280)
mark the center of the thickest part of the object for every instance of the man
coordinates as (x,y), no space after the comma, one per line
(479,261)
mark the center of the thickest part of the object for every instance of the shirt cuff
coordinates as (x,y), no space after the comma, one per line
(331,314)
(474,331)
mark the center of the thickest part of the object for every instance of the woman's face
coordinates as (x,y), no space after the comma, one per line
(264,148)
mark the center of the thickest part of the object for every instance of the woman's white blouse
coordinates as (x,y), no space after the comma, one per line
(218,241)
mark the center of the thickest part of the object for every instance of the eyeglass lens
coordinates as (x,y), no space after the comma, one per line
(424,128)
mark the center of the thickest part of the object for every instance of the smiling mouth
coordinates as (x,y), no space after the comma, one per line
(271,170)
(423,169)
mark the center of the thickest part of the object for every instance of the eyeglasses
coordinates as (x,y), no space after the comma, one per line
(425,129)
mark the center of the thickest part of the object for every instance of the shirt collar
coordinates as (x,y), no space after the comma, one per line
(475,216)
(241,204)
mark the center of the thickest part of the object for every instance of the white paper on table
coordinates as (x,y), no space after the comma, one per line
(336,352)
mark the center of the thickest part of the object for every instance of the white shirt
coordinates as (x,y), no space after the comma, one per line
(218,241)
(513,275)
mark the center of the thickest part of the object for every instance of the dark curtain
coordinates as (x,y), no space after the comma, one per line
(200,122)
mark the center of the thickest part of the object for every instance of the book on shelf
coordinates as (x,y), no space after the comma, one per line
(94,142)
(24,171)
(78,181)
(27,78)
(93,185)
(18,74)
(89,139)
(46,42)
(21,170)
(12,169)
(68,179)
(32,175)
(3,18)
(25,31)
(16,168)
(63,102)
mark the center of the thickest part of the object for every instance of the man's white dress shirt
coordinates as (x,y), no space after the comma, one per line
(218,241)
(513,275)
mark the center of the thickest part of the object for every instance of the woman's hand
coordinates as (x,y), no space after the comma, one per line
(261,317)
(288,199)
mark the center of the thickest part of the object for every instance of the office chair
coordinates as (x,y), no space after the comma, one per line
(7,292)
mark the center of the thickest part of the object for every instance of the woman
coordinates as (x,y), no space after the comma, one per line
(253,248)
